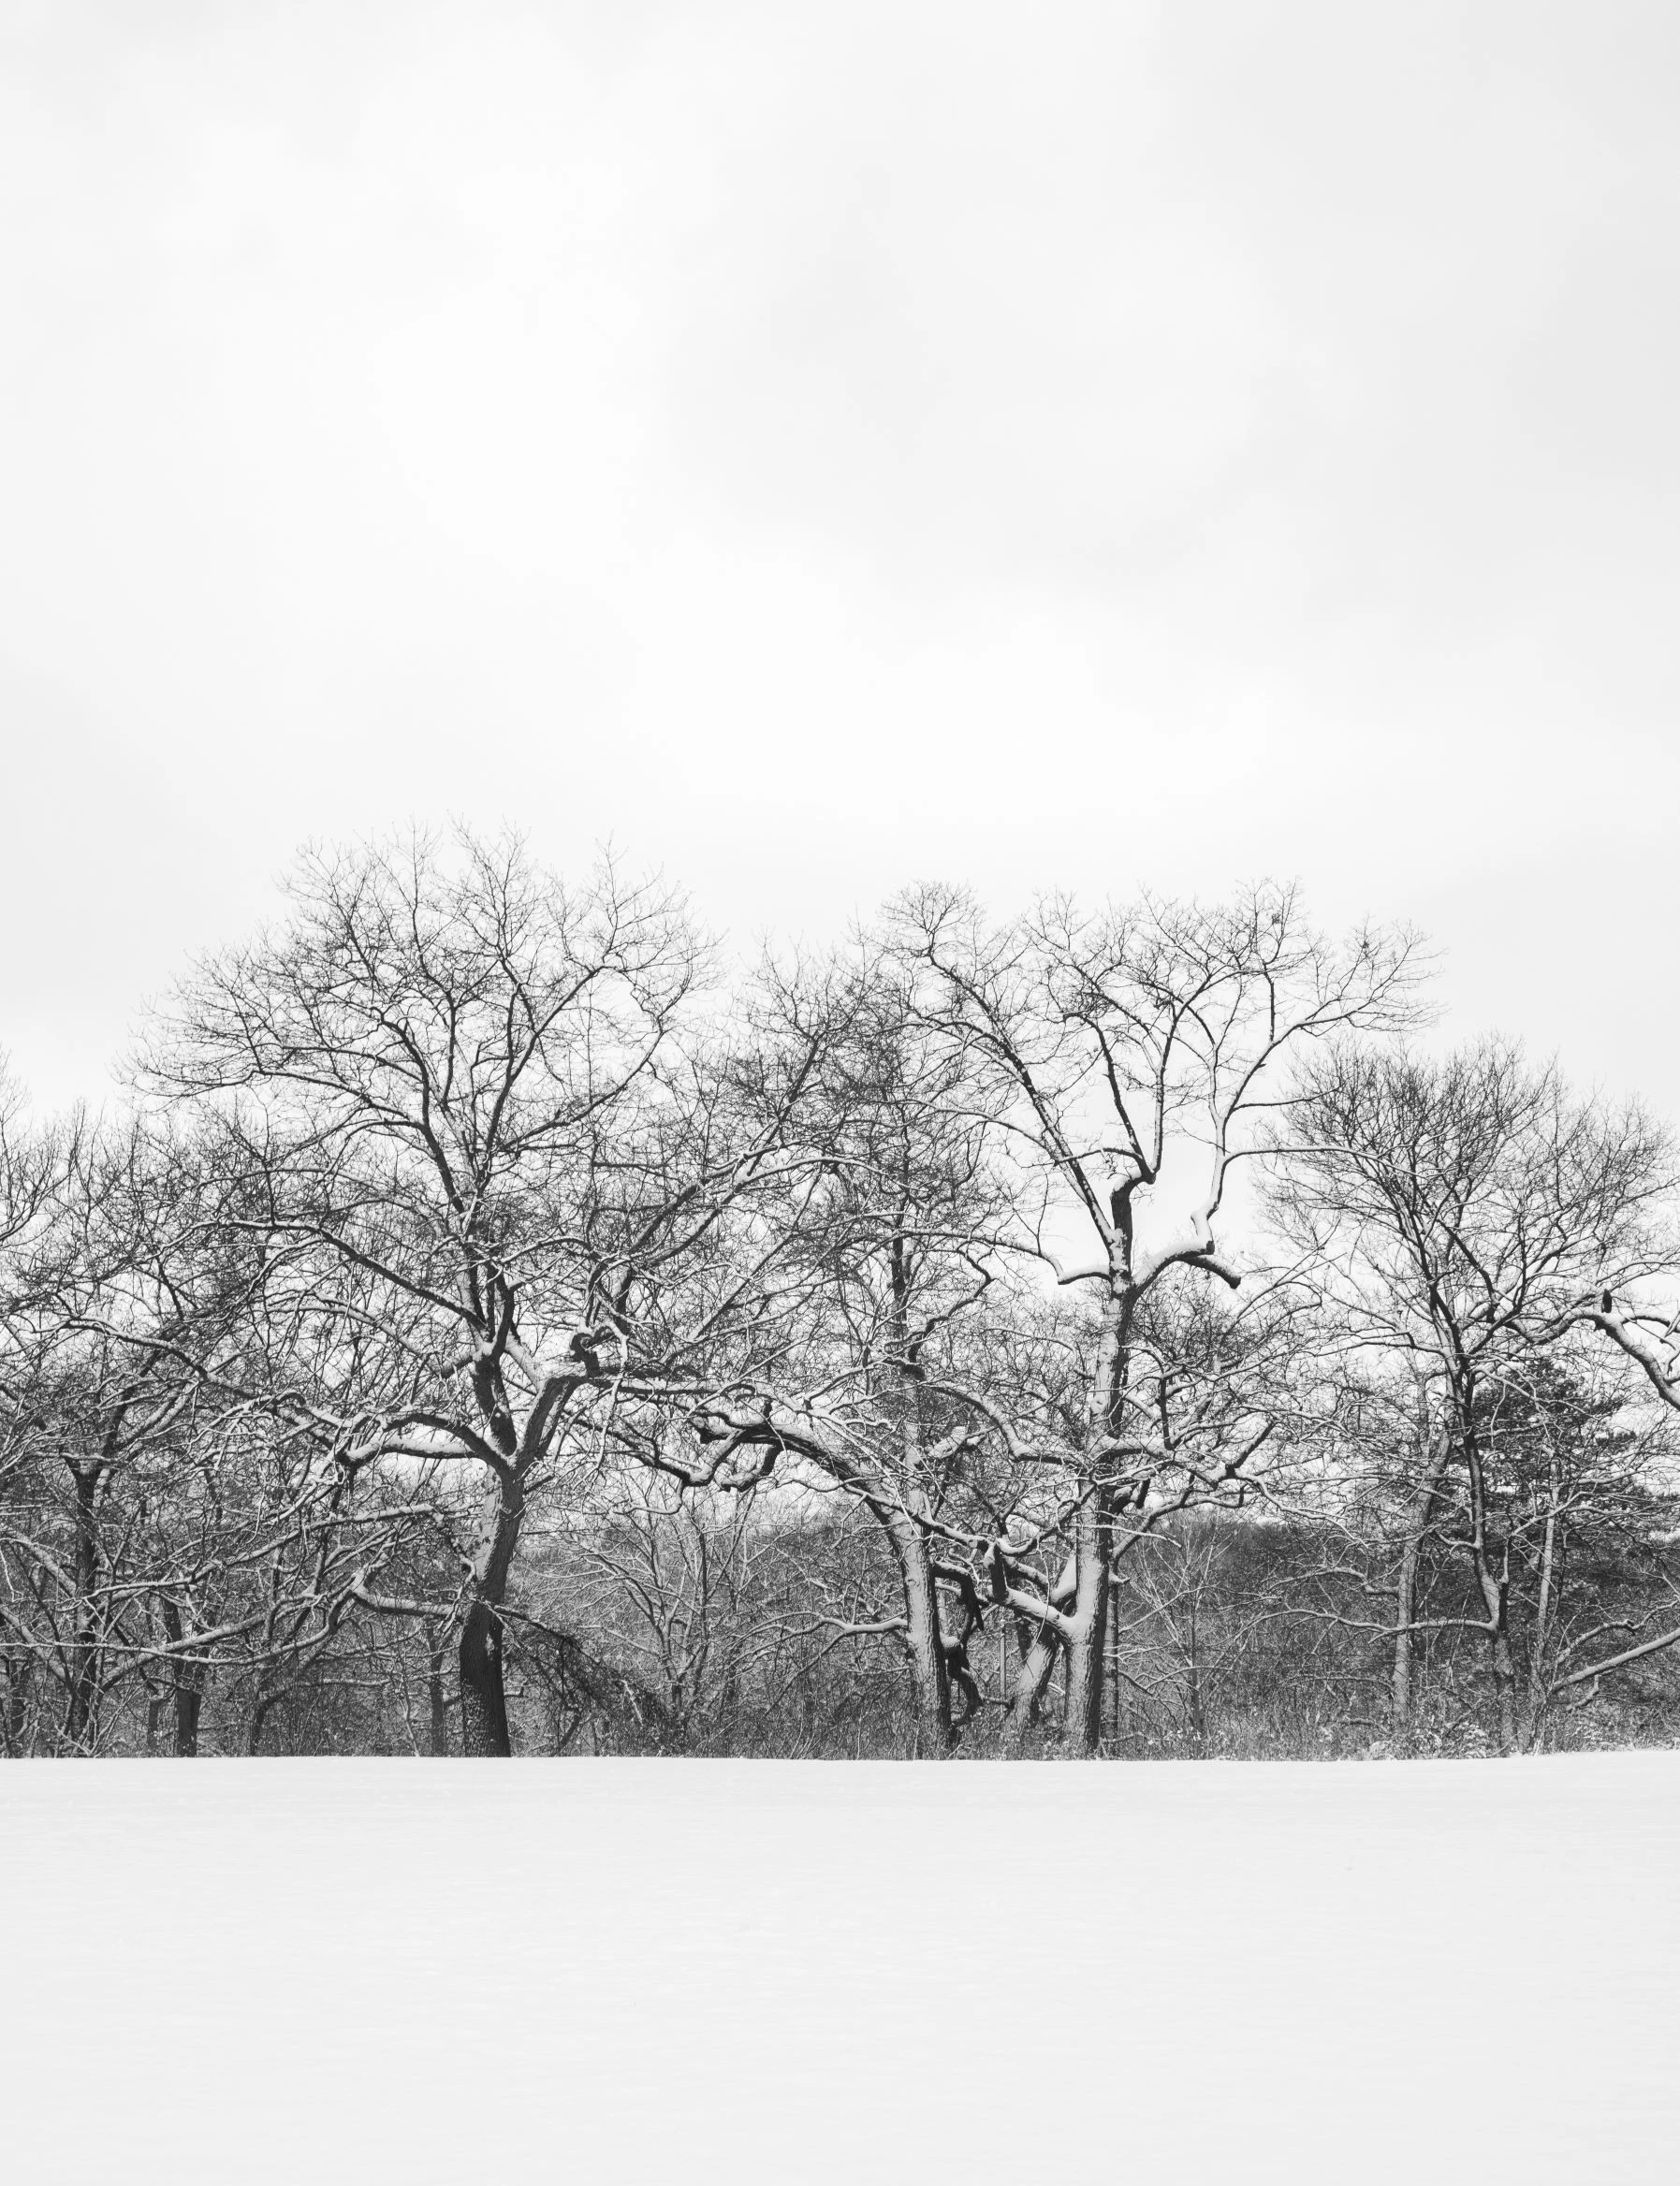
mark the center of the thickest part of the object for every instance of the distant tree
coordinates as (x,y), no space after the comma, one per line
(33,1161)
(127,1330)
(1457,1214)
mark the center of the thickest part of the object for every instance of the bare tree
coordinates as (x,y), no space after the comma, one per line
(1460,1214)
(892,1255)
(460,1087)
(156,1466)
(128,1331)
(1125,1049)
(33,1161)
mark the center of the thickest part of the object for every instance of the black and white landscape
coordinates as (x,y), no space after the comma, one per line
(490,1326)
(836,917)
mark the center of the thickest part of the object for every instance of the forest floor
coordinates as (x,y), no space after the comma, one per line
(856,1972)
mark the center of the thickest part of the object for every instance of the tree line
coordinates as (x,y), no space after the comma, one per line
(493,1321)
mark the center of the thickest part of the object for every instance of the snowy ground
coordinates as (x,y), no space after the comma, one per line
(629,1972)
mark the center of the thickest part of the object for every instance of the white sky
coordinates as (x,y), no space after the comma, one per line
(825,447)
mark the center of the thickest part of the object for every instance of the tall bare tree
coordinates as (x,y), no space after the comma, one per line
(460,1086)
(1133,1053)
(893,1249)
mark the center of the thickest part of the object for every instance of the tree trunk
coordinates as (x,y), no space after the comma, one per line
(1405,1586)
(19,1678)
(930,1672)
(484,1728)
(1026,1695)
(484,1732)
(1198,1716)
(1087,1644)
(188,1701)
(187,1681)
(900,1397)
(1093,1536)
(1040,1645)
(259,1716)
(1540,1644)
(436,1640)
(1505,1674)
(1495,1591)
(84,1654)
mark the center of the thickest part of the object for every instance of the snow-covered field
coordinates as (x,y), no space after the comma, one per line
(646,1971)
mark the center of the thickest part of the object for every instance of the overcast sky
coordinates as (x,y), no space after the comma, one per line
(822,447)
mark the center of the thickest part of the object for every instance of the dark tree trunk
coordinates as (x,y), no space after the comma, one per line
(188,1702)
(484,1729)
(19,1678)
(84,1654)
(187,1681)
(484,1732)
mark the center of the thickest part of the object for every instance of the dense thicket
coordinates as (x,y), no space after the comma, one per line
(491,1326)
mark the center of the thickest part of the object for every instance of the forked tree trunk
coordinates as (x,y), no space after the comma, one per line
(1040,1645)
(1031,1682)
(1093,1535)
(930,1674)
(901,1398)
